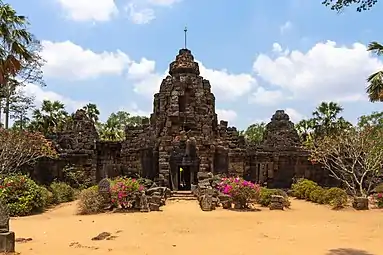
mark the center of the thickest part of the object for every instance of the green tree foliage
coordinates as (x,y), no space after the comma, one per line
(339,5)
(50,118)
(254,133)
(325,121)
(20,62)
(114,128)
(92,112)
(375,119)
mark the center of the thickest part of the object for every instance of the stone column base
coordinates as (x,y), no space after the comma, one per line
(7,242)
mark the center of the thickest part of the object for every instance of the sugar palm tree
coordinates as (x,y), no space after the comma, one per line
(50,118)
(326,119)
(14,42)
(92,112)
(375,80)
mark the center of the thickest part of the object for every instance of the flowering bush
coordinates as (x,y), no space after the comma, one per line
(379,200)
(122,191)
(241,191)
(22,195)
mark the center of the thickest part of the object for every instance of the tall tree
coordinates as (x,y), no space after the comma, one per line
(20,62)
(326,119)
(354,158)
(92,112)
(20,105)
(50,118)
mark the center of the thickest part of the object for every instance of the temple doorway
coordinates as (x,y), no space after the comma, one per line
(184,178)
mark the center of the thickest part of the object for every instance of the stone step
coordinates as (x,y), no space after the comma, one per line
(182,195)
(182,198)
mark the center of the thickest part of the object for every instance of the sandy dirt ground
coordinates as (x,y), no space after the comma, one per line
(183,229)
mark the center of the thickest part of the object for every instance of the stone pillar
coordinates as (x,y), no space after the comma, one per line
(7,238)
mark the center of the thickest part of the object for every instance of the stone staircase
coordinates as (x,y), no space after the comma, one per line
(182,195)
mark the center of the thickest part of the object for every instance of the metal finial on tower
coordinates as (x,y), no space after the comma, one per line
(185,30)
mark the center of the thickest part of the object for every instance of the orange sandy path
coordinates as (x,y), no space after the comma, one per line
(183,229)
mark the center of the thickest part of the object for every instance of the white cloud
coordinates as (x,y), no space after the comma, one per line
(294,115)
(140,16)
(286,27)
(70,61)
(89,10)
(266,97)
(228,115)
(277,48)
(143,11)
(41,94)
(134,110)
(226,85)
(325,72)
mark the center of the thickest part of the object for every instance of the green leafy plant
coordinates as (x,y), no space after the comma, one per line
(336,197)
(62,192)
(318,195)
(90,201)
(22,195)
(302,188)
(265,196)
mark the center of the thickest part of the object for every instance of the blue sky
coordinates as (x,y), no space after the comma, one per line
(259,56)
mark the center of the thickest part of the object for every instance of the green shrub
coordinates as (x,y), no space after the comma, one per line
(336,197)
(303,188)
(22,195)
(48,197)
(62,192)
(90,201)
(265,196)
(317,195)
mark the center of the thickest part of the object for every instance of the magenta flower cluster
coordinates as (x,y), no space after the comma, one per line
(240,190)
(122,191)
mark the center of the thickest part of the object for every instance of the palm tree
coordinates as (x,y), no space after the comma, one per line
(111,129)
(50,118)
(92,112)
(15,51)
(326,120)
(14,41)
(375,80)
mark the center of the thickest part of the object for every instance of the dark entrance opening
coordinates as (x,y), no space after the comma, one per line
(184,178)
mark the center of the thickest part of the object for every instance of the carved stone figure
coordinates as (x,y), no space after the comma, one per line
(144,203)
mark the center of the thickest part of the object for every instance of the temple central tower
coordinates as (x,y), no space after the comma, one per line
(184,109)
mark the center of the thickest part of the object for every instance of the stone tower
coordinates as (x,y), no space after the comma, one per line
(184,119)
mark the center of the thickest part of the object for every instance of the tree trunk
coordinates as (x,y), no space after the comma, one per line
(6,110)
(1,109)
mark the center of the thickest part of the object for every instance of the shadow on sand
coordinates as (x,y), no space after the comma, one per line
(347,251)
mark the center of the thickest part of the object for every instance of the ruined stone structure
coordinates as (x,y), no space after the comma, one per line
(183,133)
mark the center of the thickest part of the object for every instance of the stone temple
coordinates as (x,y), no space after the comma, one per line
(183,132)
